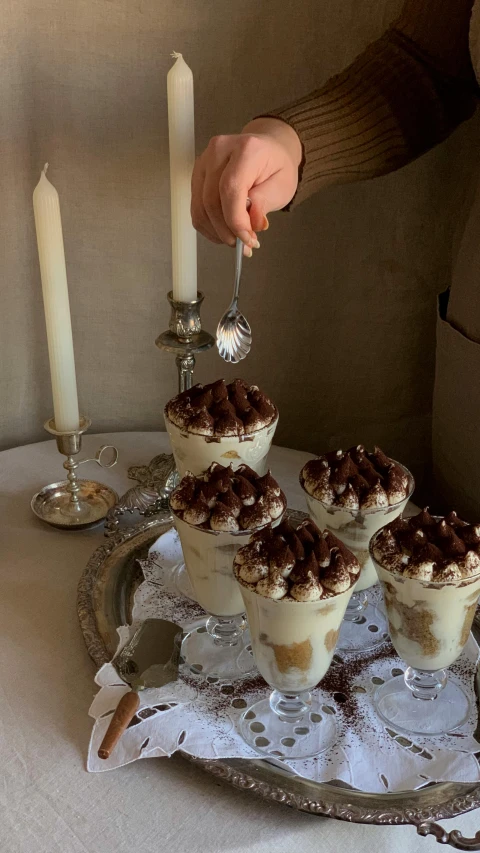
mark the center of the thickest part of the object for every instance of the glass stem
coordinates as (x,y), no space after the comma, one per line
(356,605)
(423,684)
(226,630)
(290,707)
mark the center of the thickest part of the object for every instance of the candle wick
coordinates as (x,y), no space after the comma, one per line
(176,55)
(45,168)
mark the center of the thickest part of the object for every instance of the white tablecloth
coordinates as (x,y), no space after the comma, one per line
(48,802)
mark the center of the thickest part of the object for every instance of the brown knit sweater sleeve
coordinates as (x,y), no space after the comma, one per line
(405,93)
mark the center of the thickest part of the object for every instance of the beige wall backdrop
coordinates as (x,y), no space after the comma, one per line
(341,296)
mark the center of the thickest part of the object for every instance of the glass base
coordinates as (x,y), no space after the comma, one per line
(367,630)
(273,736)
(437,714)
(217,661)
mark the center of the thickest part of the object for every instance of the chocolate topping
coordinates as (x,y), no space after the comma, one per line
(232,502)
(322,552)
(219,390)
(197,511)
(335,577)
(305,535)
(454,521)
(185,491)
(201,422)
(300,564)
(203,400)
(245,490)
(219,409)
(429,549)
(247,472)
(379,459)
(267,483)
(222,518)
(471,535)
(239,398)
(452,545)
(223,499)
(423,519)
(356,479)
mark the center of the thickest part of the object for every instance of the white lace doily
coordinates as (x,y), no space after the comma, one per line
(201,718)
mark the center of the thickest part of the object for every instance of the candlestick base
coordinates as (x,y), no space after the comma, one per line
(74,504)
(54,506)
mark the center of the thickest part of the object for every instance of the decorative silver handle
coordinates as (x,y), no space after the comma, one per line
(146,502)
(454,838)
(151,497)
(98,457)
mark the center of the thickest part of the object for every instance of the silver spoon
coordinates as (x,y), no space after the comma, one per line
(234,335)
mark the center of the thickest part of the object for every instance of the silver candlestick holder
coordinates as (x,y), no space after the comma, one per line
(185,338)
(76,504)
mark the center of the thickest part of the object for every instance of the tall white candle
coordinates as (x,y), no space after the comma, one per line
(46,207)
(181,131)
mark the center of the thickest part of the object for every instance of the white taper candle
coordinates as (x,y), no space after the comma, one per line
(51,254)
(181,131)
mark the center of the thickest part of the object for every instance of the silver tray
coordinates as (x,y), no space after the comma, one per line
(105,599)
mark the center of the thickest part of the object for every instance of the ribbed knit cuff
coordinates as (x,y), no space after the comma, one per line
(383,111)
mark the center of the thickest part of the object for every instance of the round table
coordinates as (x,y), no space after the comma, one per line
(49,803)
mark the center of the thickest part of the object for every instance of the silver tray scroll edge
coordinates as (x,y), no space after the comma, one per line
(105,593)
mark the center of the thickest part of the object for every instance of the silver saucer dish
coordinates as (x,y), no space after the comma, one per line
(96,500)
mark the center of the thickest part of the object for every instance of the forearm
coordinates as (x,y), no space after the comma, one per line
(407,92)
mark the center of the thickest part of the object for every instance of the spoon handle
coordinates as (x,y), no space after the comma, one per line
(238,268)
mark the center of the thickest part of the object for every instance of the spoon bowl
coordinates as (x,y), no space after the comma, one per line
(234,335)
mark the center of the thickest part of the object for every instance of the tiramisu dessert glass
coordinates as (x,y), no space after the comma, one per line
(296,583)
(353,494)
(215,514)
(429,568)
(229,424)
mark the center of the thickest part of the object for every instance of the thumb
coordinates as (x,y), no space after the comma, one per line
(258,209)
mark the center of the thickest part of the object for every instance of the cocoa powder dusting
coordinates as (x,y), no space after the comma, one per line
(340,678)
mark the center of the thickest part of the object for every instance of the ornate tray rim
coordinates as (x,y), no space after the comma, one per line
(98,589)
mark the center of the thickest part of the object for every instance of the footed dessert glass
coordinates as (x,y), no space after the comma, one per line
(195,453)
(364,626)
(293,644)
(429,625)
(218,649)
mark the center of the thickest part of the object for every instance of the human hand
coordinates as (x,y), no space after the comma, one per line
(260,164)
